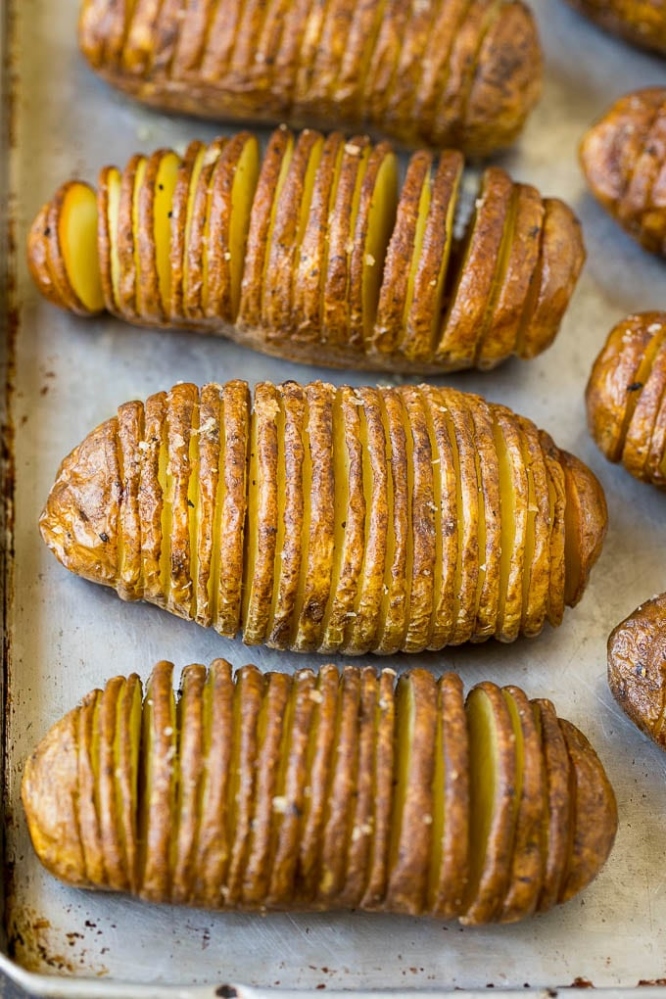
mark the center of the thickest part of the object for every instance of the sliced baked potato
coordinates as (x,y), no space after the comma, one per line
(439,73)
(641,22)
(315,253)
(331,519)
(636,656)
(318,792)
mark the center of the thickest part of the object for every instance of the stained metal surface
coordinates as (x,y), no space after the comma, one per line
(65,636)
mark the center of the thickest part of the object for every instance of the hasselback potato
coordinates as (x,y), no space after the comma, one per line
(642,22)
(331,791)
(436,73)
(636,656)
(315,253)
(624,160)
(626,397)
(331,519)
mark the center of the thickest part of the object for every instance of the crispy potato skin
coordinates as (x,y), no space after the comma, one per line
(332,520)
(636,656)
(623,157)
(315,792)
(641,22)
(302,283)
(626,397)
(368,66)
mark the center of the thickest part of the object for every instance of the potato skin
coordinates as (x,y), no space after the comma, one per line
(368,66)
(641,22)
(636,655)
(391,531)
(311,792)
(301,289)
(626,397)
(623,156)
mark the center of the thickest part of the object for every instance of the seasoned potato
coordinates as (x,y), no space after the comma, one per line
(626,397)
(317,792)
(624,160)
(315,254)
(439,73)
(636,656)
(331,519)
(642,22)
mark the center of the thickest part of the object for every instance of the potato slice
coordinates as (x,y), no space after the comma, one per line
(383,60)
(636,649)
(181,217)
(527,869)
(490,521)
(413,205)
(319,764)
(341,788)
(557,503)
(411,54)
(445,500)
(536,574)
(291,209)
(461,430)
(450,858)
(362,828)
(413,804)
(514,495)
(104,768)
(377,874)
(521,252)
(640,430)
(267,428)
(345,198)
(271,178)
(176,554)
(157,785)
(249,689)
(222,22)
(190,48)
(594,814)
(350,510)
(282,884)
(421,543)
(153,235)
(492,783)
(127,750)
(197,231)
(310,261)
(274,725)
(558,827)
(87,814)
(430,262)
(215,799)
(561,261)
(185,834)
(586,521)
(393,613)
(291,500)
(436,68)
(362,630)
(462,325)
(76,233)
(318,521)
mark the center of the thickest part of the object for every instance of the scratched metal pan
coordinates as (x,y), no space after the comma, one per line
(64,636)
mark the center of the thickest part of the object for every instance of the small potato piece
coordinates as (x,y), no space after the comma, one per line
(370,65)
(316,254)
(625,396)
(303,793)
(623,157)
(641,22)
(636,656)
(331,519)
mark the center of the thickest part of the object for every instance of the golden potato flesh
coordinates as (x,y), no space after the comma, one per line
(318,792)
(328,519)
(315,252)
(626,397)
(439,73)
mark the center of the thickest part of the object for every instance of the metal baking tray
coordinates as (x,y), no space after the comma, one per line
(63,636)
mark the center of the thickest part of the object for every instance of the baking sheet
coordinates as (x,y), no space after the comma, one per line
(65,636)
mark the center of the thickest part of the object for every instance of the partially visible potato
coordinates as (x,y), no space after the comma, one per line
(626,397)
(331,519)
(340,790)
(642,22)
(636,675)
(316,253)
(460,73)
(624,160)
